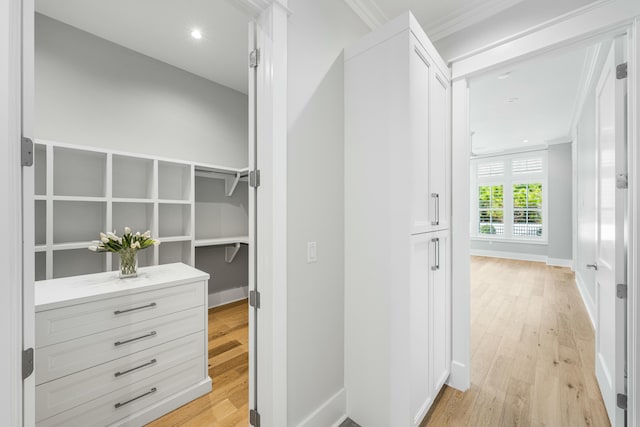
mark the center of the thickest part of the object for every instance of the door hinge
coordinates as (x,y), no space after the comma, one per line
(254,178)
(254,58)
(621,71)
(254,418)
(622,181)
(621,290)
(621,401)
(254,299)
(27,363)
(26,156)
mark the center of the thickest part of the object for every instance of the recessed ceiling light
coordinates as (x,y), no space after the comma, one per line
(196,34)
(504,75)
(525,140)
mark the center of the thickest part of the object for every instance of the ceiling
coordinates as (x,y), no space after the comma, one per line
(161,29)
(534,106)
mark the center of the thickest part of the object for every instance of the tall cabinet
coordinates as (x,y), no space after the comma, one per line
(397,201)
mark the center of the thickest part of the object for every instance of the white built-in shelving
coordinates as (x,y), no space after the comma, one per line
(80,191)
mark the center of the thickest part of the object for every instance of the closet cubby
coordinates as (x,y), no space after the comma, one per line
(174,181)
(137,216)
(217,214)
(132,177)
(78,221)
(170,252)
(75,262)
(174,220)
(40,169)
(40,208)
(79,173)
(81,191)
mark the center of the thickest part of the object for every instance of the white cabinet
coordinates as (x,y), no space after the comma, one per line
(120,352)
(397,196)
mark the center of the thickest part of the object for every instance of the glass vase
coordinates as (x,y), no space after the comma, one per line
(128,263)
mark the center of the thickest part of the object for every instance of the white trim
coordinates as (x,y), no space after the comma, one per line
(509,255)
(587,80)
(590,21)
(466,16)
(586,299)
(227,296)
(559,262)
(369,12)
(459,376)
(330,413)
(481,238)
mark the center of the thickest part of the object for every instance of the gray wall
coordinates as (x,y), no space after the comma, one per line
(560,202)
(92,92)
(318,32)
(560,219)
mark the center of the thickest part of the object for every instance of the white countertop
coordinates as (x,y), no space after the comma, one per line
(56,293)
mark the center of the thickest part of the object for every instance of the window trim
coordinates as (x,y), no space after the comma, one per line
(508,180)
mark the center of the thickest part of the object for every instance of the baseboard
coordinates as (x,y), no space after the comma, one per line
(330,413)
(227,296)
(558,262)
(586,299)
(509,255)
(460,377)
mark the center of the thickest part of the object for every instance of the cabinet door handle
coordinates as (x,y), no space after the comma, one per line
(121,404)
(153,304)
(593,266)
(119,343)
(144,365)
(436,255)
(436,198)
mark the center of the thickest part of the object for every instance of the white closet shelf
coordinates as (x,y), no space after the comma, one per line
(41,248)
(127,200)
(39,197)
(70,246)
(78,198)
(174,202)
(174,239)
(222,241)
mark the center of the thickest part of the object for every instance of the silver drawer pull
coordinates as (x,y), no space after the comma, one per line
(153,304)
(121,404)
(436,197)
(150,334)
(149,363)
(436,255)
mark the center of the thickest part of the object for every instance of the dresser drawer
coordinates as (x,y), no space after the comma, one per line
(75,321)
(65,393)
(68,357)
(117,405)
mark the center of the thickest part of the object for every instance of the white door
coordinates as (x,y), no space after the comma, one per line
(419,78)
(440,311)
(610,253)
(438,152)
(422,259)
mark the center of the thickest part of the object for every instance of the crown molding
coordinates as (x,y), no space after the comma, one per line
(369,12)
(256,7)
(467,16)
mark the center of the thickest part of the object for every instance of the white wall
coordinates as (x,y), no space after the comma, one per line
(318,32)
(560,216)
(92,92)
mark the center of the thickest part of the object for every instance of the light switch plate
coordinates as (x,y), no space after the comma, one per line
(312,252)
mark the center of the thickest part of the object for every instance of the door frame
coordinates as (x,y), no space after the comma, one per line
(596,20)
(17,401)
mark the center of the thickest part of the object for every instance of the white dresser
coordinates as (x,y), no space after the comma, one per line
(120,352)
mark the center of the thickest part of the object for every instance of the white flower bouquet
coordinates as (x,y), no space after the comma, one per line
(126,246)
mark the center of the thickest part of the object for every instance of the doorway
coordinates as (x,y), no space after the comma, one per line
(167,181)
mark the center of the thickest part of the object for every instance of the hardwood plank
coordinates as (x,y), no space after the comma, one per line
(228,402)
(532,352)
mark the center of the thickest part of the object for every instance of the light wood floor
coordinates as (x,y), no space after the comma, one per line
(532,352)
(228,403)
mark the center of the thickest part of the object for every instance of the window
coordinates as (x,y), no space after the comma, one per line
(509,200)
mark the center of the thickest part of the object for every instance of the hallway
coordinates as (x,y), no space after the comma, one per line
(532,351)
